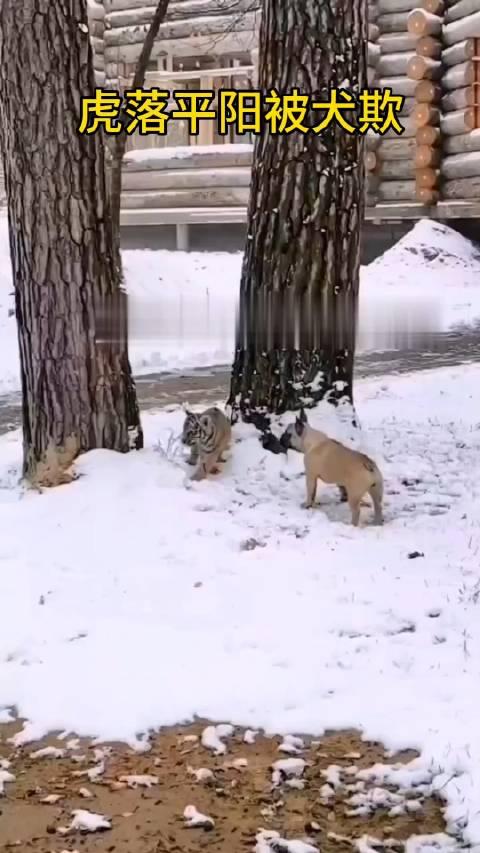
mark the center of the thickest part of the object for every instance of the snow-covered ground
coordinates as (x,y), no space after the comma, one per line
(182,306)
(132,599)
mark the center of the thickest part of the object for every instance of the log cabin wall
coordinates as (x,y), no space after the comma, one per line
(409,65)
(426,50)
(96,19)
(430,52)
(198,35)
(373,62)
(202,34)
(460,104)
(425,69)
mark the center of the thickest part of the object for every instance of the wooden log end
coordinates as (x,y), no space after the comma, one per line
(424,114)
(428,93)
(428,179)
(435,7)
(428,135)
(427,196)
(429,46)
(426,156)
(423,68)
(422,23)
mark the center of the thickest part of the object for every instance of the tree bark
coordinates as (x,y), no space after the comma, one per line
(300,275)
(78,391)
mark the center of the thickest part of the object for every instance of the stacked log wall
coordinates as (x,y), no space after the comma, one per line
(212,29)
(425,50)
(460,104)
(197,34)
(186,178)
(425,69)
(96,25)
(395,153)
(373,59)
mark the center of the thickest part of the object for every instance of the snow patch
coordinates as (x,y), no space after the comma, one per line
(5,777)
(224,631)
(195,819)
(48,752)
(287,768)
(85,821)
(139,781)
(270,841)
(213,737)
(202,774)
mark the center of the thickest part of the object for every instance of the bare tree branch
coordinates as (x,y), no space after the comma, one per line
(144,58)
(120,141)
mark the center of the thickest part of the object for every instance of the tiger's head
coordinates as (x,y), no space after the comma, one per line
(191,428)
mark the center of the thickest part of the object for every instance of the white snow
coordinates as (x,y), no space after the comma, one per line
(408,777)
(93,773)
(290,766)
(435,843)
(287,768)
(85,821)
(392,643)
(142,780)
(239,763)
(48,752)
(182,305)
(194,818)
(154,612)
(202,774)
(184,152)
(332,775)
(297,784)
(51,799)
(326,792)
(85,793)
(250,736)
(270,841)
(288,748)
(212,737)
(291,744)
(5,777)
(368,802)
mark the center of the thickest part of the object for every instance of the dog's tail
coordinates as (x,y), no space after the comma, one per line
(376,493)
(369,464)
(377,487)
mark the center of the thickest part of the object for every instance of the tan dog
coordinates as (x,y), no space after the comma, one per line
(331,462)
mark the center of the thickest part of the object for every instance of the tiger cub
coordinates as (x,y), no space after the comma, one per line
(208,435)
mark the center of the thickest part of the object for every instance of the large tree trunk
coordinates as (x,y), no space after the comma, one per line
(300,276)
(78,392)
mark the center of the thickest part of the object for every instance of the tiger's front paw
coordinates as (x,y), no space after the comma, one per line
(198,474)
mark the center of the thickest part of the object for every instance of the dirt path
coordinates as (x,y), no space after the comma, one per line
(238,796)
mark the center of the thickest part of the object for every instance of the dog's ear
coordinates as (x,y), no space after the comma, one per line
(299,426)
(303,416)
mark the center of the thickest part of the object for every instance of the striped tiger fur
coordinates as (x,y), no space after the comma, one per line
(208,434)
